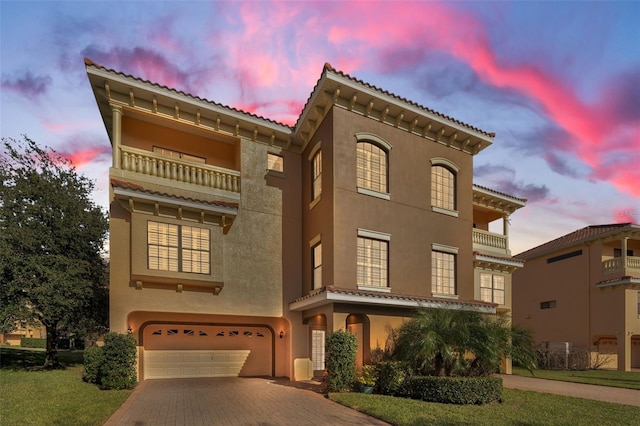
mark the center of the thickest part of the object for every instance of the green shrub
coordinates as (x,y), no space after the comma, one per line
(33,342)
(341,360)
(392,376)
(93,361)
(118,369)
(456,390)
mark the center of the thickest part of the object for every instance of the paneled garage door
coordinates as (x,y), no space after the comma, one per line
(174,351)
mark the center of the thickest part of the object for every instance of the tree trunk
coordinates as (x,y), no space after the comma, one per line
(51,356)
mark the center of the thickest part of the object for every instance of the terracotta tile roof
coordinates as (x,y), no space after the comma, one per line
(395,296)
(132,186)
(621,280)
(328,67)
(492,256)
(503,194)
(575,238)
(89,62)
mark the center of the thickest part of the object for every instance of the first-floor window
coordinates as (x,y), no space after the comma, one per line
(443,273)
(492,288)
(372,259)
(178,248)
(317,349)
(316,254)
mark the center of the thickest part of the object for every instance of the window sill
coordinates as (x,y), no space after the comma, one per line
(276,173)
(382,195)
(315,201)
(140,281)
(446,296)
(372,288)
(453,213)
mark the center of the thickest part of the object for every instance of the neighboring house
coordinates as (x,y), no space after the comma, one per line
(584,289)
(22,330)
(237,242)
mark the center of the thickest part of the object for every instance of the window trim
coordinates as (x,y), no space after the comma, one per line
(313,244)
(493,288)
(317,150)
(375,236)
(453,251)
(455,170)
(180,248)
(384,146)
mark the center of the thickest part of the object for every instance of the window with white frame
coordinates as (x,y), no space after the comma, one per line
(316,175)
(492,288)
(372,167)
(443,273)
(372,261)
(178,248)
(275,162)
(443,187)
(316,261)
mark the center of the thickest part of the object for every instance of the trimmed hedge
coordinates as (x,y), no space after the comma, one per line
(112,366)
(341,360)
(93,360)
(456,390)
(33,342)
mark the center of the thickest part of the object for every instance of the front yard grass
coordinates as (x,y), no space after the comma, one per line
(30,396)
(517,408)
(618,379)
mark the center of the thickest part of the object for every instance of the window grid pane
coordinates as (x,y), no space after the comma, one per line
(178,249)
(492,288)
(316,184)
(371,167)
(163,246)
(443,187)
(195,250)
(316,254)
(275,162)
(372,262)
(443,277)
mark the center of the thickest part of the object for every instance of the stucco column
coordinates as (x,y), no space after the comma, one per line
(624,352)
(116,134)
(624,255)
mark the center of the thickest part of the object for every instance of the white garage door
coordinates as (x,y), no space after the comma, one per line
(169,364)
(177,350)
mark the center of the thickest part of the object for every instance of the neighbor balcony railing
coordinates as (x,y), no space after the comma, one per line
(147,163)
(489,239)
(615,265)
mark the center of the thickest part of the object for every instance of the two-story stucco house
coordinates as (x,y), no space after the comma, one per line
(584,289)
(237,242)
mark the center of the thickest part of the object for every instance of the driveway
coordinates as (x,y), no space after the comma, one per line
(233,401)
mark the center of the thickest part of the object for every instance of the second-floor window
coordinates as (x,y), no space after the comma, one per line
(178,248)
(372,260)
(316,260)
(443,187)
(492,288)
(443,273)
(372,167)
(316,175)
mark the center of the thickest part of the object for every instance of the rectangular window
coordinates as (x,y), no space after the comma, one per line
(275,162)
(316,175)
(317,349)
(492,288)
(178,248)
(316,259)
(176,154)
(548,305)
(618,252)
(372,260)
(443,273)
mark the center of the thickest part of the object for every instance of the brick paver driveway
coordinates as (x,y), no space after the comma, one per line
(232,401)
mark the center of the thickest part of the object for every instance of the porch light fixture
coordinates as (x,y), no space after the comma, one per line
(281,334)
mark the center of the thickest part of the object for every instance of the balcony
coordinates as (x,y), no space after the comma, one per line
(616,266)
(488,241)
(184,172)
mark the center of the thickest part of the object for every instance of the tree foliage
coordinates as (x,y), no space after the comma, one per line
(51,237)
(446,342)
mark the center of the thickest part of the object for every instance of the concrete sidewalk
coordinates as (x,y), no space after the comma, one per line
(578,390)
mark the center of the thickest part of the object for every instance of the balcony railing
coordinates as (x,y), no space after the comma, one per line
(615,265)
(489,239)
(147,163)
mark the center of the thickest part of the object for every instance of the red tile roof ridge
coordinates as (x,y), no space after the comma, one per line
(571,239)
(89,62)
(135,187)
(524,200)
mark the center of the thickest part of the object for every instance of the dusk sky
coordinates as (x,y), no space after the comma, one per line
(558,82)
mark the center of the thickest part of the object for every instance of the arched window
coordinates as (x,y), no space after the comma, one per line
(372,167)
(443,188)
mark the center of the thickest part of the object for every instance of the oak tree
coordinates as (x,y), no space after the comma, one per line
(51,240)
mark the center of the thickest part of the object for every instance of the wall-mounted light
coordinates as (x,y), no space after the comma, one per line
(129,329)
(281,334)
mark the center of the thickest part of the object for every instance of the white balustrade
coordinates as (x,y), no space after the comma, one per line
(489,239)
(615,265)
(151,164)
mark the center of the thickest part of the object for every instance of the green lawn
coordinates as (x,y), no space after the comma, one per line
(619,379)
(517,408)
(60,397)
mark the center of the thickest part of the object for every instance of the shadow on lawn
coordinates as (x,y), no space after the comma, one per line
(31,360)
